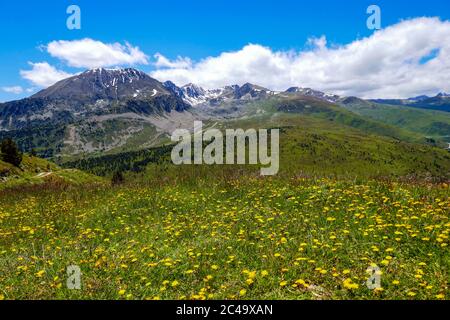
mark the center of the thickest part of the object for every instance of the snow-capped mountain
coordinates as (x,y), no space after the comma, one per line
(314,93)
(94,92)
(105,84)
(195,95)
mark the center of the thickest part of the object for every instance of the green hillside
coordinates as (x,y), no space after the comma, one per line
(36,171)
(308,145)
(428,123)
(295,107)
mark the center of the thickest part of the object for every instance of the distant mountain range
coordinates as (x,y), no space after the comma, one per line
(103,110)
(440,102)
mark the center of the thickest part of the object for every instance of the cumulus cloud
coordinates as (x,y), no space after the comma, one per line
(88,53)
(163,62)
(43,75)
(13,89)
(403,60)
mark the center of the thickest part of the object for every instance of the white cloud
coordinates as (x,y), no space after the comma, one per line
(163,62)
(88,53)
(43,75)
(13,89)
(388,64)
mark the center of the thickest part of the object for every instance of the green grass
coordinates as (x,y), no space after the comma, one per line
(429,123)
(350,194)
(229,237)
(35,172)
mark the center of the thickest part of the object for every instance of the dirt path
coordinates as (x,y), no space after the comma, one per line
(43,174)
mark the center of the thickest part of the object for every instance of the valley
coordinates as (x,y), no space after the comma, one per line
(108,111)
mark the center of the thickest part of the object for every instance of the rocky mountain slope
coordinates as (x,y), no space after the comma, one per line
(105,111)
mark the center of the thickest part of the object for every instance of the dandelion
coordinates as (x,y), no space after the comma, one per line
(348,284)
(39,274)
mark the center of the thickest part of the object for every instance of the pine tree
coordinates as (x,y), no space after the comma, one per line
(10,152)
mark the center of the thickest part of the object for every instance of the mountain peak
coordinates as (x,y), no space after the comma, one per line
(101,83)
(314,93)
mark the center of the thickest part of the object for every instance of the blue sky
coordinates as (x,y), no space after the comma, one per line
(195,29)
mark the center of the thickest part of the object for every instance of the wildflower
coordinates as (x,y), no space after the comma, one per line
(39,274)
(348,284)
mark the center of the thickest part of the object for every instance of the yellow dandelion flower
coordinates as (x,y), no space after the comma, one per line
(283,283)
(39,274)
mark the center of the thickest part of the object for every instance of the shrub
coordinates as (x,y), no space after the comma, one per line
(117,178)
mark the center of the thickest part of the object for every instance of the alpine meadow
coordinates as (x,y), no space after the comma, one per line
(218,173)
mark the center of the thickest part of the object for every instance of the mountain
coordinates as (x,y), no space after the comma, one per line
(108,111)
(94,92)
(440,102)
(434,125)
(314,93)
(95,111)
(195,95)
(107,84)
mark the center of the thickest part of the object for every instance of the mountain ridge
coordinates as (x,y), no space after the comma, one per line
(102,110)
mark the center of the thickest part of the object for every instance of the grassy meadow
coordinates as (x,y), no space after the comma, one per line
(351,194)
(192,234)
